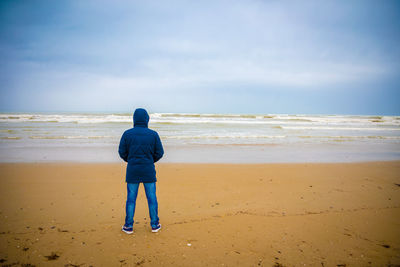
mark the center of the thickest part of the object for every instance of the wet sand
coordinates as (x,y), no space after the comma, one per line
(70,214)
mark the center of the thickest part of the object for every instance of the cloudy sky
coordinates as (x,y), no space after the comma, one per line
(250,56)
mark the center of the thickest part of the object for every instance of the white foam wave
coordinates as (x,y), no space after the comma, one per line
(92,118)
(185,118)
(67,137)
(223,136)
(339,128)
(350,137)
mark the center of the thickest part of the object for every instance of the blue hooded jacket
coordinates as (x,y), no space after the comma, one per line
(140,147)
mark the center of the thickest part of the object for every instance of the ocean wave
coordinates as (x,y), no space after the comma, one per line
(278,121)
(350,137)
(67,118)
(186,118)
(223,136)
(252,136)
(198,115)
(8,131)
(68,137)
(339,128)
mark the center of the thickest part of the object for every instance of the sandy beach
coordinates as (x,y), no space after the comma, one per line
(334,214)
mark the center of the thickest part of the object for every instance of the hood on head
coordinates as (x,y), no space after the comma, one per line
(141,117)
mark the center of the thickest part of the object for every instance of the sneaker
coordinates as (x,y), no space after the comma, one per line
(128,230)
(156,229)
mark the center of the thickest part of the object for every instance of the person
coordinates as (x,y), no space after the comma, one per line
(141,147)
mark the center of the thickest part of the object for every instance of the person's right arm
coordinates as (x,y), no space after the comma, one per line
(158,149)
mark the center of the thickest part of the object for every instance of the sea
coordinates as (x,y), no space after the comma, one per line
(203,138)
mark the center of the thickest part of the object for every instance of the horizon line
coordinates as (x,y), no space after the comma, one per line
(55,112)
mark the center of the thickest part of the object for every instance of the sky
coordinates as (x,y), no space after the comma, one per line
(249,56)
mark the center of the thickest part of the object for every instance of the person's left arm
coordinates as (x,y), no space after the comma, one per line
(122,149)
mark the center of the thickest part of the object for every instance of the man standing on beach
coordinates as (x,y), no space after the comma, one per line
(141,147)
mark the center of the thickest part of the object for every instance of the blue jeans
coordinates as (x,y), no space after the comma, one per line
(150,189)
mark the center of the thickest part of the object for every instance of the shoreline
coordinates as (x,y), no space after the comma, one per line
(295,153)
(212,214)
(196,163)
